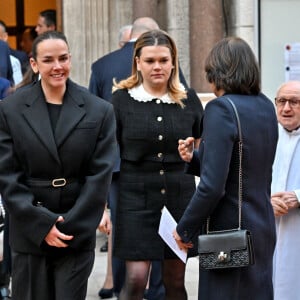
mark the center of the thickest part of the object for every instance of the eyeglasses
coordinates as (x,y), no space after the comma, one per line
(292,102)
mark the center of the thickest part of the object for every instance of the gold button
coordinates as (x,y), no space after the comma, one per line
(159,119)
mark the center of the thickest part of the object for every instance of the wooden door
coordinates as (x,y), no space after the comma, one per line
(20,14)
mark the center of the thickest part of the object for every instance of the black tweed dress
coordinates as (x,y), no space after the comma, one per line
(152,173)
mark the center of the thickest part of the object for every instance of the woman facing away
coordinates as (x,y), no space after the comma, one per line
(233,72)
(57,148)
(153,111)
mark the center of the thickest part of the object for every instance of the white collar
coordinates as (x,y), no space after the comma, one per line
(139,94)
(293,132)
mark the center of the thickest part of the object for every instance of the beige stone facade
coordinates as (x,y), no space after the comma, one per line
(91,27)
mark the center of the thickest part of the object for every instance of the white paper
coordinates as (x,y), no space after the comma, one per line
(166,227)
(292,61)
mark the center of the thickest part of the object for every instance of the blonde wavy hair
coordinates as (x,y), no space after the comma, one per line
(155,38)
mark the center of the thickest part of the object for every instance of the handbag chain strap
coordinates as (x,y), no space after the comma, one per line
(240,191)
(2,210)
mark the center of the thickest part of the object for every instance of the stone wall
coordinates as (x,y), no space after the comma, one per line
(92,26)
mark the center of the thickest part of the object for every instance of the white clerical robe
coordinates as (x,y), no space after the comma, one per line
(286,177)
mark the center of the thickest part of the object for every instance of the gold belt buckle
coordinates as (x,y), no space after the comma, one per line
(58,182)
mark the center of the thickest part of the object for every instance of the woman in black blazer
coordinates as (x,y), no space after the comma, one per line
(57,150)
(232,70)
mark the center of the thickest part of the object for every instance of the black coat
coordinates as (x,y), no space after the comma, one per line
(5,65)
(82,148)
(217,193)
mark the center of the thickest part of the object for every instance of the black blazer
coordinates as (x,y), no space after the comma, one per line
(82,148)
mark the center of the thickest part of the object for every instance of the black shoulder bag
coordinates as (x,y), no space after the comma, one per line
(230,248)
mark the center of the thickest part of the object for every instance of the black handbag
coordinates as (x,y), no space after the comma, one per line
(227,248)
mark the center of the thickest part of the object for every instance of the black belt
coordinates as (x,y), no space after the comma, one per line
(56,182)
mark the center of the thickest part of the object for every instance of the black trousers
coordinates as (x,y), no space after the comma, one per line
(5,264)
(51,278)
(118,265)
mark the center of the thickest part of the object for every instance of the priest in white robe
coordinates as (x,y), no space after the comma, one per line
(286,194)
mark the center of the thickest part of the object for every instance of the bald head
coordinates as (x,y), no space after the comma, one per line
(142,25)
(292,86)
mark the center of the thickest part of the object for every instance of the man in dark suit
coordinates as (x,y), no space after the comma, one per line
(4,87)
(5,65)
(20,55)
(118,65)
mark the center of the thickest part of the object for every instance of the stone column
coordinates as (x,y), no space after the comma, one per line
(241,21)
(85,24)
(120,14)
(144,9)
(178,27)
(91,27)
(206,28)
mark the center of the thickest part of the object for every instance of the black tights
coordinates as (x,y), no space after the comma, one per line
(137,276)
(135,280)
(173,278)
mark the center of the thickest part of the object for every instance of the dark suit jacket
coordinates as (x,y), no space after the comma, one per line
(4,87)
(22,57)
(116,64)
(82,148)
(217,193)
(5,65)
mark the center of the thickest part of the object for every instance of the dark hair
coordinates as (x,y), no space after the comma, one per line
(231,65)
(32,33)
(28,78)
(50,16)
(54,35)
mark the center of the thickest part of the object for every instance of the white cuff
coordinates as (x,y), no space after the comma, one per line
(297,192)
